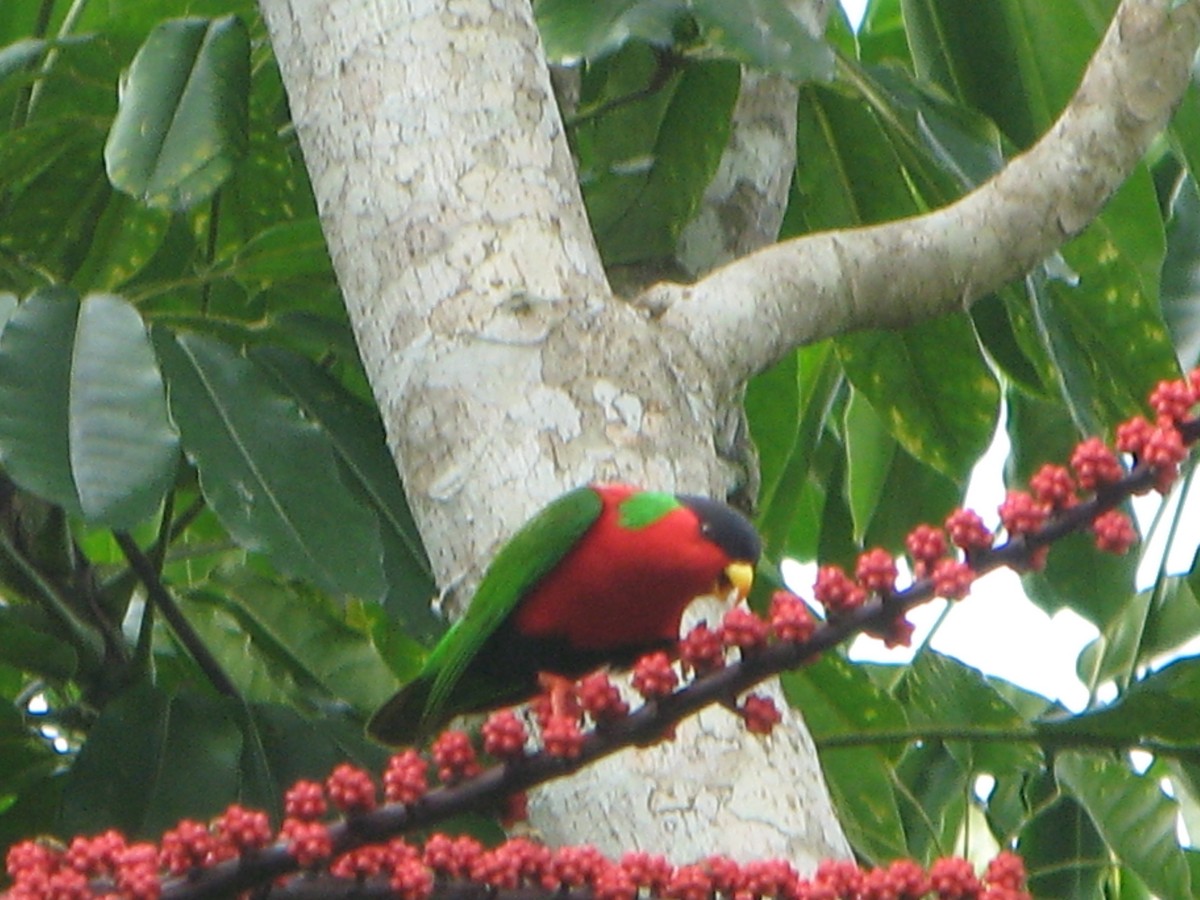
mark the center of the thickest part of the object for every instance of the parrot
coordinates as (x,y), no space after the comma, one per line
(599,577)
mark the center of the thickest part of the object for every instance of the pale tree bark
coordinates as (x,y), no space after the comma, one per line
(506,371)
(714,782)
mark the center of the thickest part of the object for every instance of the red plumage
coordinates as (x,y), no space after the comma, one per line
(620,586)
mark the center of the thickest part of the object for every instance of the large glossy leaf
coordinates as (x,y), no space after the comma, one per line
(765,34)
(644,204)
(888,491)
(1137,821)
(939,692)
(1016,60)
(34,651)
(126,239)
(839,701)
(82,414)
(1154,623)
(151,760)
(847,172)
(1159,707)
(870,449)
(573,31)
(282,746)
(787,408)
(270,475)
(1181,271)
(881,34)
(356,436)
(1065,856)
(155,757)
(181,124)
(56,193)
(283,252)
(931,386)
(933,798)
(300,634)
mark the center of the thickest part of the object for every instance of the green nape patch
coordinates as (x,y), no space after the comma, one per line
(646,508)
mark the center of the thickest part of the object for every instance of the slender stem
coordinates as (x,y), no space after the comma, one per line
(161,598)
(1159,589)
(210,249)
(1072,740)
(87,642)
(143,656)
(667,65)
(68,25)
(20,111)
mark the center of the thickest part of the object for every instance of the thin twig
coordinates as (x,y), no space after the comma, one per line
(162,599)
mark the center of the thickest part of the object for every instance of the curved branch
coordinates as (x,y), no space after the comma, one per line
(901,272)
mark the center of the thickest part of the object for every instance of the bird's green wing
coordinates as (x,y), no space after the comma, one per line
(528,556)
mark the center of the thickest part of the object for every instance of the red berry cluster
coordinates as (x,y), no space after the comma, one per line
(350,789)
(107,865)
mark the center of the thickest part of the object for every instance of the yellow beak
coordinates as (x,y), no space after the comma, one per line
(741,576)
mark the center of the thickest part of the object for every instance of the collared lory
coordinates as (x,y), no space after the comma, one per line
(598,577)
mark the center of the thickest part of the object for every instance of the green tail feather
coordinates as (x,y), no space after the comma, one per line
(403,720)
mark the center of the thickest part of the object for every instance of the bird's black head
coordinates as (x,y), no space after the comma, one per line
(725,527)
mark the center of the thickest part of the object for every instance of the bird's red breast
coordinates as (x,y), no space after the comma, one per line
(623,585)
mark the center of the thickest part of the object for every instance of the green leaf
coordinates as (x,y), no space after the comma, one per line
(1153,624)
(1159,707)
(19,56)
(787,409)
(269,474)
(1096,585)
(1018,61)
(182,119)
(83,418)
(839,700)
(881,35)
(914,492)
(1065,856)
(1085,323)
(34,651)
(933,798)
(941,693)
(281,746)
(126,239)
(151,760)
(283,252)
(1137,821)
(847,171)
(1181,272)
(662,197)
(765,34)
(572,30)
(931,386)
(356,435)
(299,633)
(870,449)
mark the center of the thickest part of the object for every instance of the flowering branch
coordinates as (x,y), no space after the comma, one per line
(240,850)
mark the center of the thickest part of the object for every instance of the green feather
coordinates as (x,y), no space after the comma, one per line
(439,692)
(643,509)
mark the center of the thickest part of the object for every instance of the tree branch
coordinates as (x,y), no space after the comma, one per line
(898,273)
(649,723)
